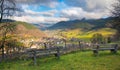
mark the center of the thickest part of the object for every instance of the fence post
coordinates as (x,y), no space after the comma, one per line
(34,57)
(45,45)
(80,45)
(65,43)
(115,48)
(58,53)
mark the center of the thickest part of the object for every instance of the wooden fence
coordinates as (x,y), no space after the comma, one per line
(54,50)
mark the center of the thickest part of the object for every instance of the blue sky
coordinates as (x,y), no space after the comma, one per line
(53,11)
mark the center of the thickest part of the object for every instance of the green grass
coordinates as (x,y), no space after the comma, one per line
(73,61)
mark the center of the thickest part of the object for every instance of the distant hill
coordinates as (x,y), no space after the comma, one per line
(8,20)
(82,29)
(40,26)
(82,24)
(43,26)
(28,30)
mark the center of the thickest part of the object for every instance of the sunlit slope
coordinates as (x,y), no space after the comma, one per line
(104,31)
(28,30)
(79,33)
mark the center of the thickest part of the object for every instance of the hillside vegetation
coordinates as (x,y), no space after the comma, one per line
(26,25)
(83,29)
(85,24)
(28,30)
(81,34)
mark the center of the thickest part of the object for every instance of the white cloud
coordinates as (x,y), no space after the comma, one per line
(29,19)
(31,16)
(99,4)
(34,13)
(53,4)
(55,19)
(70,13)
(41,19)
(68,10)
(90,5)
(79,13)
(49,3)
(48,13)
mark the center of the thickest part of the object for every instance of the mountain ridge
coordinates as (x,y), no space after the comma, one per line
(85,24)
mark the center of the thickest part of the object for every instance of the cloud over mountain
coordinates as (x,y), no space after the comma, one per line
(52,11)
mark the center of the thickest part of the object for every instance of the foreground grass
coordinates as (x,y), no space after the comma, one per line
(73,61)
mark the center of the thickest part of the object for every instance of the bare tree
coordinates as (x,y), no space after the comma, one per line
(6,28)
(116,20)
(7,9)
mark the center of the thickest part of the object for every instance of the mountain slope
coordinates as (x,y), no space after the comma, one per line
(82,29)
(28,30)
(83,24)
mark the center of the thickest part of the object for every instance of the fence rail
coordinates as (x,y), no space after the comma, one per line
(54,50)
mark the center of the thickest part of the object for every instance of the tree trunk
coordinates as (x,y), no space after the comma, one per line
(2,52)
(3,42)
(1,17)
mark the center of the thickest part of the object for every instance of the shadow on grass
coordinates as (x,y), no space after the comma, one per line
(103,53)
(9,63)
(45,60)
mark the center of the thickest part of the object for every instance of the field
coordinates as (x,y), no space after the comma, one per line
(81,34)
(74,61)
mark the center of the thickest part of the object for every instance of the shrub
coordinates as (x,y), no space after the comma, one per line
(98,38)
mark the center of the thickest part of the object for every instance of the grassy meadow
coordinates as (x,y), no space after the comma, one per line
(73,61)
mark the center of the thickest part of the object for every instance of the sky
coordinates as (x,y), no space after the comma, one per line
(53,11)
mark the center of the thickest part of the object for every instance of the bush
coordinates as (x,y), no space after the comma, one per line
(98,38)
